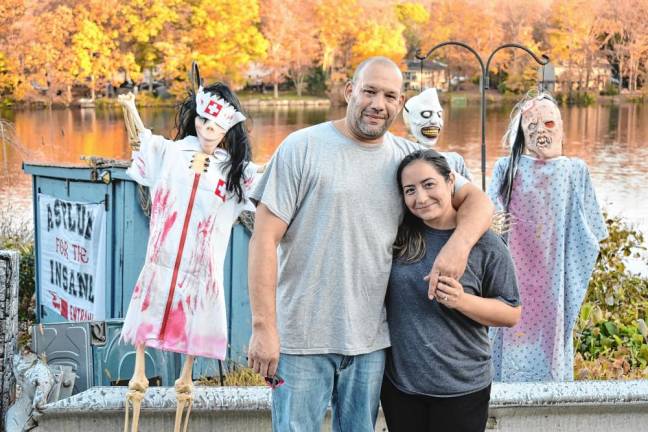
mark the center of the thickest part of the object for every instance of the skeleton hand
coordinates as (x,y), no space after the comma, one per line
(502,222)
(134,124)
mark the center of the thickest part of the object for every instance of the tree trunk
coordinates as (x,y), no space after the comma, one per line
(620,74)
(588,68)
(149,79)
(275,87)
(92,88)
(299,84)
(68,94)
(569,78)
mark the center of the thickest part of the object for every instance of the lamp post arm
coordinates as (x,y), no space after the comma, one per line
(456,43)
(542,60)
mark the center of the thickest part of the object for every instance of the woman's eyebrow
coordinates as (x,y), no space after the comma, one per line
(427,180)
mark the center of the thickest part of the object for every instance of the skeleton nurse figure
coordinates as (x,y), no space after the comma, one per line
(423,115)
(198,186)
(554,242)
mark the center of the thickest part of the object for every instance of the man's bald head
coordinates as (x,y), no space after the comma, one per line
(376,61)
(374,99)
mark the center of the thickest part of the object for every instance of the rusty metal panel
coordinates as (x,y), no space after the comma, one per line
(66,344)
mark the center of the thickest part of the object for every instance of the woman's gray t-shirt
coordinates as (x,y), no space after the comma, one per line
(437,351)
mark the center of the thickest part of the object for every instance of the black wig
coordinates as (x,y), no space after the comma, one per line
(236,140)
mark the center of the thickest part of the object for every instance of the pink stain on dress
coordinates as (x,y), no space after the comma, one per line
(175,331)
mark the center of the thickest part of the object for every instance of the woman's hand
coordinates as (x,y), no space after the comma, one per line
(486,311)
(449,292)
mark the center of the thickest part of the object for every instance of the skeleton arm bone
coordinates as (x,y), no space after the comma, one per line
(134,124)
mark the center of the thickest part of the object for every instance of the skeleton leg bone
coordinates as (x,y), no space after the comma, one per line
(184,394)
(136,389)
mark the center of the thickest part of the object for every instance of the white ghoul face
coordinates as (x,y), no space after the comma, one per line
(423,115)
(543,129)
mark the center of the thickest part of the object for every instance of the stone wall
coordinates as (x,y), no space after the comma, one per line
(583,406)
(9,269)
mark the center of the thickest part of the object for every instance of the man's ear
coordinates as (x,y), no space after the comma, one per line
(348,91)
(401,103)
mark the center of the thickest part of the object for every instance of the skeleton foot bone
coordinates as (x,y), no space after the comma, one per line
(184,396)
(136,390)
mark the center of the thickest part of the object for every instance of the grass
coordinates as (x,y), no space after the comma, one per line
(237,376)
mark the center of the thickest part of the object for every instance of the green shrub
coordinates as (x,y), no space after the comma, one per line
(610,90)
(576,98)
(611,334)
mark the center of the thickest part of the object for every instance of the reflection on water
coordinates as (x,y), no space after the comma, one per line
(611,139)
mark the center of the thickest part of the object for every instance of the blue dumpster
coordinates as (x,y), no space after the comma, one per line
(93,347)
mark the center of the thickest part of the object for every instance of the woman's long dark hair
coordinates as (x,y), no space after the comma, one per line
(236,140)
(409,246)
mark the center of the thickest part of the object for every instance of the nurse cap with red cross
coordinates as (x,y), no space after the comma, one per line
(212,107)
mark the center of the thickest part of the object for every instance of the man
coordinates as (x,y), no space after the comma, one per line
(330,202)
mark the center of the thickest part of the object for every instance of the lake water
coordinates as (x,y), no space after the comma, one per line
(612,139)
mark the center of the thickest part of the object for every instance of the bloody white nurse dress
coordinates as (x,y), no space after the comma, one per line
(178,302)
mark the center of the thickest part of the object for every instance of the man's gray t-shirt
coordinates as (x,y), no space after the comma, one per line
(438,351)
(341,202)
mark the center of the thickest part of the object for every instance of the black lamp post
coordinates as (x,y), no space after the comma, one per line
(484,81)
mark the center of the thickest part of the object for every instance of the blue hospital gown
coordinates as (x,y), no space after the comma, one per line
(554,244)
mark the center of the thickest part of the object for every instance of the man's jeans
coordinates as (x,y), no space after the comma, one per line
(351,383)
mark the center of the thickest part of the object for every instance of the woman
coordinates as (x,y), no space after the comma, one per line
(439,371)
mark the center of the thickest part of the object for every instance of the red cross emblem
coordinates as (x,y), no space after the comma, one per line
(220,190)
(213,108)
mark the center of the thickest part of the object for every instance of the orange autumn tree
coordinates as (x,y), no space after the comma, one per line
(470,21)
(11,15)
(224,38)
(376,39)
(147,27)
(413,16)
(293,48)
(45,61)
(91,48)
(573,38)
(337,22)
(519,21)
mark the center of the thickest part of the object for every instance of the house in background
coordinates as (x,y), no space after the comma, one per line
(433,74)
(600,76)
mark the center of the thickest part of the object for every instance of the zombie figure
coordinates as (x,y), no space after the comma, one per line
(554,242)
(423,115)
(198,186)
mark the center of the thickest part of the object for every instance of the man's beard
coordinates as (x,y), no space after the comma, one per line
(367,131)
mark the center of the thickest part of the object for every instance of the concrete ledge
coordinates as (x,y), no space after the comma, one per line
(569,393)
(587,406)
